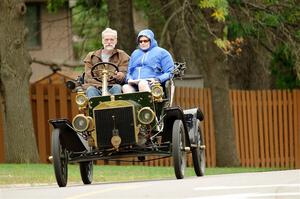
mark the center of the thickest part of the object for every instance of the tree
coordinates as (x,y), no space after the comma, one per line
(15,71)
(122,9)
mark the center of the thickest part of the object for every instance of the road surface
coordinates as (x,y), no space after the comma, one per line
(260,185)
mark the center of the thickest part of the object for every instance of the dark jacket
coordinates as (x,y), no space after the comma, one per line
(119,58)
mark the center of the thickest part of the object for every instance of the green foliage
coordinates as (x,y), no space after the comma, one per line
(267,19)
(219,7)
(142,5)
(283,68)
(89,19)
(53,5)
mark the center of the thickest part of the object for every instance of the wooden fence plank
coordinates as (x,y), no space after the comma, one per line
(211,135)
(249,133)
(280,129)
(270,127)
(291,129)
(297,127)
(245,129)
(261,140)
(285,147)
(41,124)
(241,128)
(74,106)
(265,128)
(275,129)
(63,102)
(255,140)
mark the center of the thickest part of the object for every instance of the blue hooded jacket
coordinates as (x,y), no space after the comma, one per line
(155,62)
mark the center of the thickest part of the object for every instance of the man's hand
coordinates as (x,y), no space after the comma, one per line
(119,76)
(153,81)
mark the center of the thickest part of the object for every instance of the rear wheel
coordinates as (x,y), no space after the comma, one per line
(178,146)
(198,153)
(86,172)
(60,159)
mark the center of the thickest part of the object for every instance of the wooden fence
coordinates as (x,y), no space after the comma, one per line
(267,123)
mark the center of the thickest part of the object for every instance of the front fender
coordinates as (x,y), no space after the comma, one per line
(170,115)
(69,137)
(191,117)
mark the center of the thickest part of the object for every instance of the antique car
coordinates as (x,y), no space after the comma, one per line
(137,125)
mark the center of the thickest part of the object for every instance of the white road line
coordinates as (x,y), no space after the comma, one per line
(247,195)
(245,187)
(90,194)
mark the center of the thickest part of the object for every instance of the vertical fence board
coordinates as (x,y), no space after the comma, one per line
(249,130)
(265,128)
(275,129)
(255,136)
(74,107)
(297,127)
(211,134)
(291,129)
(270,127)
(260,133)
(285,154)
(41,126)
(241,128)
(280,129)
(245,128)
(63,102)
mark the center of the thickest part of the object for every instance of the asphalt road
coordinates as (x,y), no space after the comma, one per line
(261,185)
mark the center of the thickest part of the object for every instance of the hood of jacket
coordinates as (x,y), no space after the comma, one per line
(150,35)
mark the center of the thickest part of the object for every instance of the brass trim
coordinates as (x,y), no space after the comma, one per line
(146,108)
(86,100)
(87,121)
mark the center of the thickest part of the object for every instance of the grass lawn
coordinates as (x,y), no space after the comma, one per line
(44,173)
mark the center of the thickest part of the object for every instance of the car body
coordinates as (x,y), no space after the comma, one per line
(114,127)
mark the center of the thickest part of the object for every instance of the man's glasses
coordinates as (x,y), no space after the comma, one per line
(143,41)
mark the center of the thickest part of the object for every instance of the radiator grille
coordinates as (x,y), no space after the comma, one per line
(124,123)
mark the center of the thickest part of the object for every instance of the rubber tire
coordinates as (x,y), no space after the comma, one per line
(198,154)
(178,143)
(86,172)
(60,159)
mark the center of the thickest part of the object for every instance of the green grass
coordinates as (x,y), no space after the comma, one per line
(44,173)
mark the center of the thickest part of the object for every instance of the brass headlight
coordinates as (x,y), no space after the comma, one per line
(157,91)
(81,99)
(81,122)
(146,115)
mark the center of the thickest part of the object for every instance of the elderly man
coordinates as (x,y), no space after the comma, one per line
(106,54)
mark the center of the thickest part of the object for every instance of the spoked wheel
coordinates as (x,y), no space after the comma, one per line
(60,159)
(101,68)
(86,172)
(198,153)
(178,146)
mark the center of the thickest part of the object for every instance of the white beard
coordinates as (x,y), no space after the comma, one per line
(109,47)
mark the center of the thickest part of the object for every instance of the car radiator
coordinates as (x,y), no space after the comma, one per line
(111,120)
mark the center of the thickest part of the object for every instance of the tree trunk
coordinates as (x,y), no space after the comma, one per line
(217,75)
(15,71)
(121,18)
(223,120)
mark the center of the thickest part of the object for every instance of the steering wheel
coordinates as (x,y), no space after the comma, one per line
(101,67)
